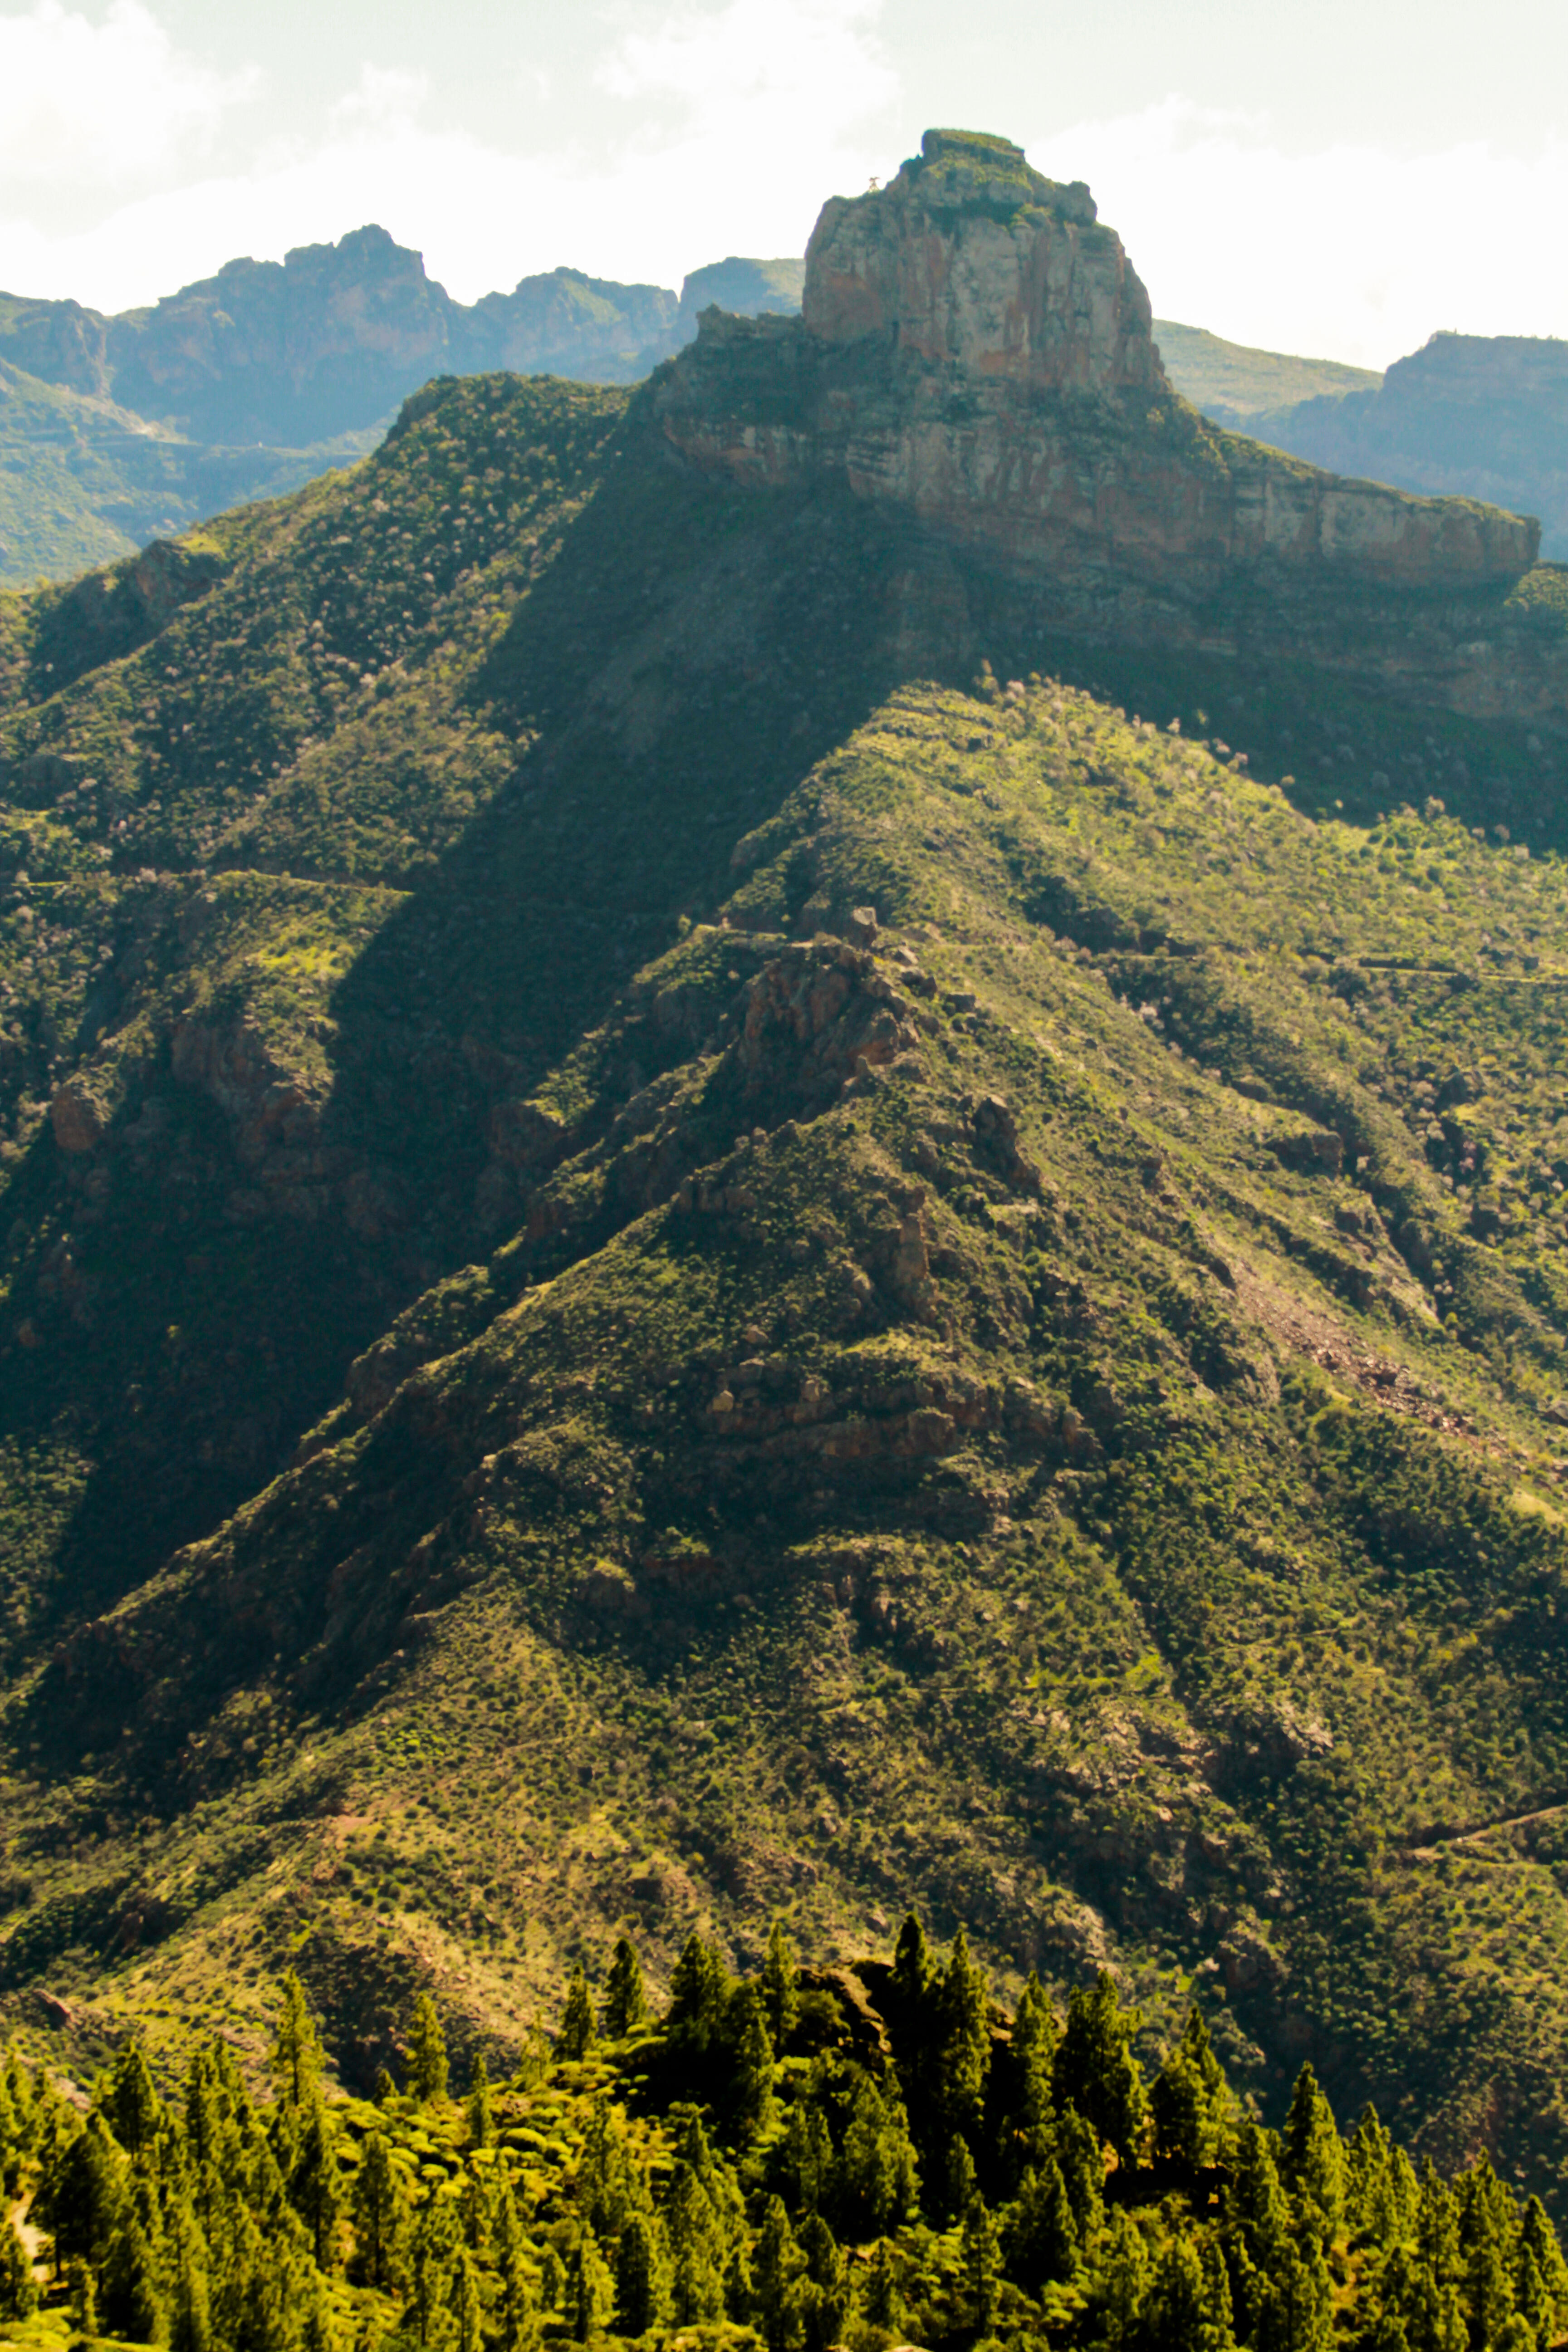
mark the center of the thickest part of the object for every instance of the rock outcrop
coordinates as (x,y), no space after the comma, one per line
(1484,417)
(976,349)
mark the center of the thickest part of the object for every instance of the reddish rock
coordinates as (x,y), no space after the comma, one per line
(976,349)
(76,1120)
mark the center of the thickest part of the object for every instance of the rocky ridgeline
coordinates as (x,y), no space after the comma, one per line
(975,348)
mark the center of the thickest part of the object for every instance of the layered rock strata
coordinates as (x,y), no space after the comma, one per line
(976,349)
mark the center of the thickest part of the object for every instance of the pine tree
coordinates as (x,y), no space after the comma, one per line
(965,2042)
(980,2262)
(319,2330)
(699,1992)
(913,1969)
(1077,2151)
(1544,2288)
(776,2265)
(625,1998)
(82,2195)
(590,2289)
(463,2301)
(806,2159)
(1255,2202)
(427,2052)
(1039,2235)
(1096,2071)
(476,2212)
(128,2302)
(1189,2100)
(703,2214)
(781,1985)
(431,2268)
(604,2182)
(18,2291)
(482,2128)
(961,2178)
(12,2150)
(1296,2312)
(876,2181)
(1121,2281)
(131,2106)
(1187,2309)
(1370,2182)
(381,2214)
(517,2306)
(881,2300)
(1034,2058)
(314,2184)
(576,2038)
(1487,2240)
(190,2323)
(82,2290)
(752,2084)
(551,2281)
(296,2056)
(1312,2162)
(641,2291)
(821,2295)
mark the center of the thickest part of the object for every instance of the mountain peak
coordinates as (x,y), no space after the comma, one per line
(970,258)
(977,351)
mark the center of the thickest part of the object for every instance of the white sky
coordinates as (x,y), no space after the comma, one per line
(1338,178)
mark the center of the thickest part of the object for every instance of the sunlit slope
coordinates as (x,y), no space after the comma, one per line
(1045,1410)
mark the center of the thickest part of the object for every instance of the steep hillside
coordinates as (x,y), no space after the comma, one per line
(1233,382)
(115,431)
(698,1223)
(1486,416)
(83,480)
(802,2156)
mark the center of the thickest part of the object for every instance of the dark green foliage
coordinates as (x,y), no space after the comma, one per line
(380,2213)
(1313,2164)
(626,2000)
(602,2202)
(483,1367)
(18,2289)
(699,1994)
(780,1988)
(296,2053)
(576,2038)
(751,2084)
(590,2289)
(481,2122)
(426,2052)
(1187,2100)
(1096,2071)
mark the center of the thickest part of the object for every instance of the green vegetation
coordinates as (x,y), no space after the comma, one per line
(668,1258)
(83,481)
(1232,382)
(903,2159)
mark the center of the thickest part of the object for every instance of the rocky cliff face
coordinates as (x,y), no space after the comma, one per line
(975,348)
(1482,415)
(971,260)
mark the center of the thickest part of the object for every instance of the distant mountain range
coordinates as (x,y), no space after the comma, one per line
(115,431)
(1480,417)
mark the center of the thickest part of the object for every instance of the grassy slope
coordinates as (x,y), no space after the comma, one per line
(51,521)
(83,481)
(1235,382)
(1165,1567)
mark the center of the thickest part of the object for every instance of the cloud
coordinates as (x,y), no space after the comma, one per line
(732,124)
(1348,253)
(102,104)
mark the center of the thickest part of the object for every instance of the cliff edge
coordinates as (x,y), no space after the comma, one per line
(976,348)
